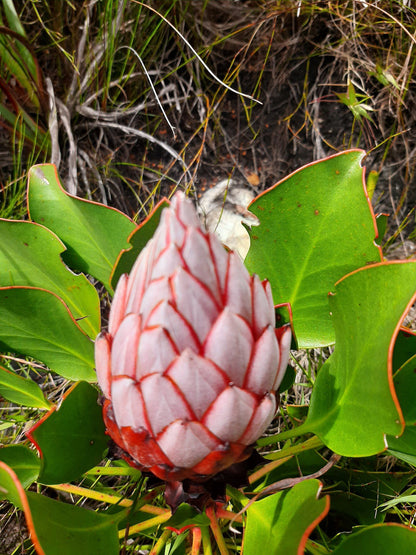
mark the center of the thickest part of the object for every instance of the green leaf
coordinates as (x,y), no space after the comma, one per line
(30,256)
(381,221)
(383,539)
(288,380)
(281,523)
(404,447)
(353,404)
(94,234)
(19,62)
(315,226)
(23,461)
(72,439)
(405,385)
(67,529)
(10,487)
(404,348)
(20,390)
(56,527)
(138,240)
(36,323)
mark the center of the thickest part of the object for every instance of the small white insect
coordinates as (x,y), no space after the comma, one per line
(223,209)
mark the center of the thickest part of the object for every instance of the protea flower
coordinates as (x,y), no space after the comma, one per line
(191,361)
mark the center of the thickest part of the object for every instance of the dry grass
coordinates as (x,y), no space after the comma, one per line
(137,114)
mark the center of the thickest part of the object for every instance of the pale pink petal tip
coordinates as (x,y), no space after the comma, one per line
(239,295)
(284,337)
(263,308)
(194,302)
(125,345)
(264,364)
(186,443)
(230,414)
(197,257)
(118,306)
(229,345)
(261,420)
(155,353)
(128,404)
(198,379)
(103,363)
(163,401)
(185,211)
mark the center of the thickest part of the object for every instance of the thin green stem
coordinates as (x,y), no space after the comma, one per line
(216,530)
(161,542)
(206,541)
(149,523)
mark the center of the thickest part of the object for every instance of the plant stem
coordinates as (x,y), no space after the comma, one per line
(216,530)
(206,541)
(284,455)
(149,523)
(160,542)
(106,498)
(196,540)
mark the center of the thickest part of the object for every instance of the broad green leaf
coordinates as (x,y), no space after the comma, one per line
(94,234)
(56,527)
(353,404)
(67,529)
(30,256)
(23,461)
(36,323)
(281,523)
(72,439)
(138,239)
(20,390)
(380,539)
(315,226)
(10,487)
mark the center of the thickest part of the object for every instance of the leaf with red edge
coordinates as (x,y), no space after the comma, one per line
(37,323)
(404,361)
(71,440)
(138,240)
(30,256)
(354,404)
(23,461)
(380,539)
(282,523)
(56,527)
(93,233)
(316,225)
(405,385)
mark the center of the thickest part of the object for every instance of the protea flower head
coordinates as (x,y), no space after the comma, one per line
(191,361)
